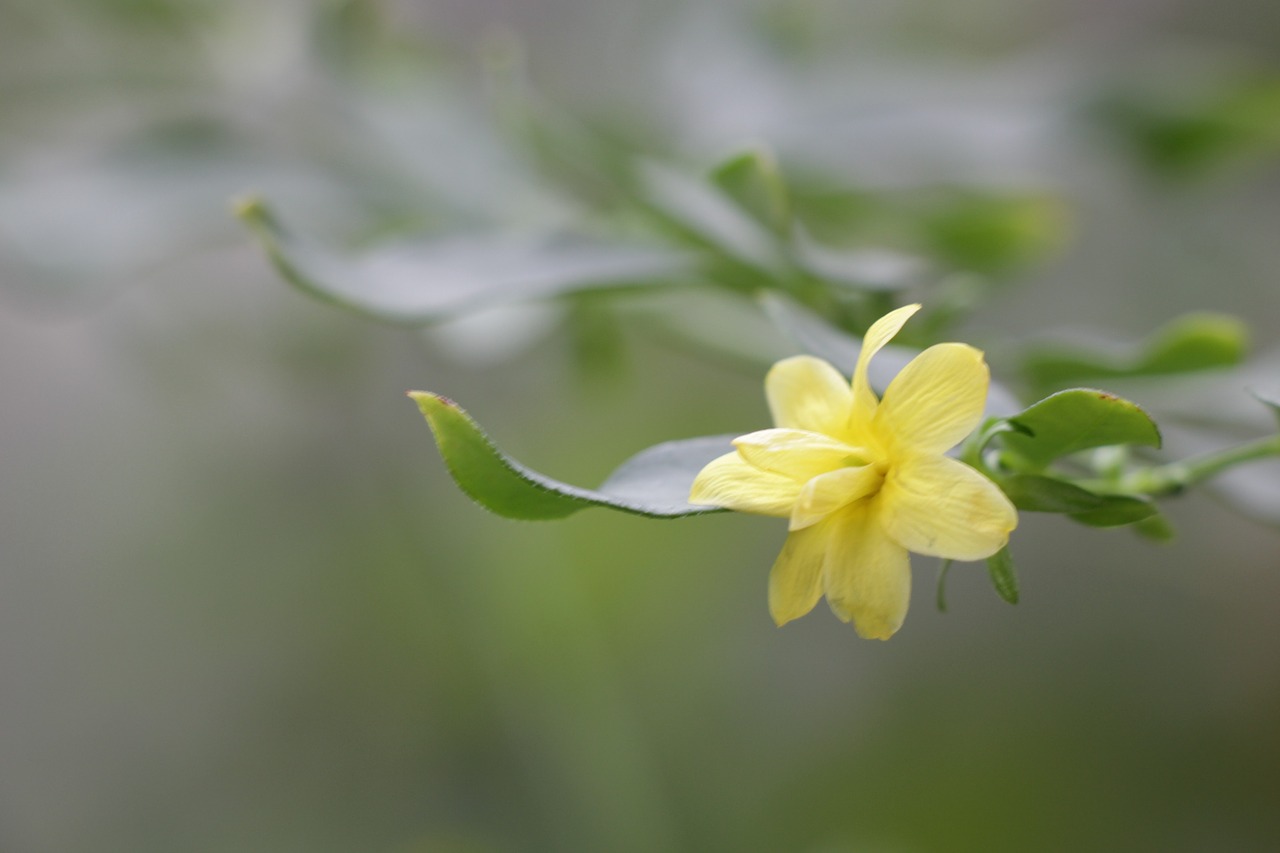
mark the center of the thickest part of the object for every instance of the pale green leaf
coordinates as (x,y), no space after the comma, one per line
(1193,342)
(435,278)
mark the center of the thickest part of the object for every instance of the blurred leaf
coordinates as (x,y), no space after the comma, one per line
(1190,138)
(995,234)
(654,482)
(861,269)
(752,180)
(1000,570)
(1078,419)
(706,216)
(428,280)
(1155,527)
(1269,400)
(1199,341)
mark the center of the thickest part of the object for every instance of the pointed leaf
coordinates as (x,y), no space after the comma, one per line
(432,279)
(1271,401)
(1078,419)
(1000,569)
(654,482)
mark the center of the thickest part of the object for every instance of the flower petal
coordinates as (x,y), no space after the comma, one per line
(938,506)
(880,333)
(808,393)
(828,492)
(867,576)
(795,582)
(729,481)
(935,401)
(796,453)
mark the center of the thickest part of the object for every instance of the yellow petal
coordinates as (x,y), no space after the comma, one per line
(828,492)
(941,507)
(880,333)
(867,575)
(729,481)
(935,401)
(808,393)
(796,453)
(795,582)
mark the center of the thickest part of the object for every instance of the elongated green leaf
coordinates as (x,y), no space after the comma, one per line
(1036,493)
(1003,578)
(1078,419)
(1189,343)
(654,482)
(429,280)
(1117,511)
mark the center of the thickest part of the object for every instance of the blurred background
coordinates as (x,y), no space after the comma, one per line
(243,607)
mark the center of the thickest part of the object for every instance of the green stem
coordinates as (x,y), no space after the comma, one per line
(1175,476)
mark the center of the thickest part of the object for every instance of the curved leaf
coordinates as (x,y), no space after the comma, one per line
(1200,341)
(1270,400)
(432,279)
(1078,419)
(654,482)
(1003,578)
(1036,493)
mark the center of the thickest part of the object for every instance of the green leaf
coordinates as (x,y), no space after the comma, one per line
(941,600)
(432,279)
(1000,569)
(1038,493)
(995,234)
(704,215)
(654,482)
(1155,527)
(1200,341)
(1187,136)
(1078,419)
(1117,511)
(752,180)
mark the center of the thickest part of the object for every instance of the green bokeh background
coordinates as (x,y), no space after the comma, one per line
(242,607)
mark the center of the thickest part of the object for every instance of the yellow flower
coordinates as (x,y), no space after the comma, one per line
(865,481)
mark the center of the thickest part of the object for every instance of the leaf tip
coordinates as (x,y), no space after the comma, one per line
(430,403)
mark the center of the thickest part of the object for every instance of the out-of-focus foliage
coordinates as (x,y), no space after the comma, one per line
(243,607)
